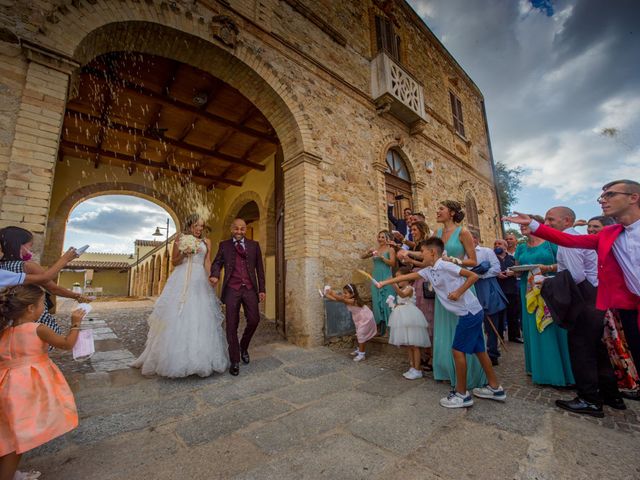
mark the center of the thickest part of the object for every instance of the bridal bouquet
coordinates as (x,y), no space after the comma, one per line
(188,244)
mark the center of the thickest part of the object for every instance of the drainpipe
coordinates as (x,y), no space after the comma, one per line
(493,166)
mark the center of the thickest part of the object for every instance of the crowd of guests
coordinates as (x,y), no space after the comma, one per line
(572,299)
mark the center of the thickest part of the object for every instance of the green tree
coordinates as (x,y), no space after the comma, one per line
(508,183)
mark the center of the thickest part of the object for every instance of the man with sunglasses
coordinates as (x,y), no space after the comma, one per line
(618,249)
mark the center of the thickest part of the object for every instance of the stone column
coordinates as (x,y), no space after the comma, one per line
(380,169)
(34,150)
(303,309)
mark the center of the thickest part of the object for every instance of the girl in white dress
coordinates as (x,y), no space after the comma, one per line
(185,328)
(408,325)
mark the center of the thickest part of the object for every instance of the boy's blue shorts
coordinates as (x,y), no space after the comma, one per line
(469,337)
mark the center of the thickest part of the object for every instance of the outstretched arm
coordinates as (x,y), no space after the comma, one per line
(51,273)
(589,242)
(409,277)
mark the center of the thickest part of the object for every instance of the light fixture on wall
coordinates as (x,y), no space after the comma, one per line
(429,166)
(200,99)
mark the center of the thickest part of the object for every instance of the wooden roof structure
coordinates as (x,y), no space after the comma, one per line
(156,115)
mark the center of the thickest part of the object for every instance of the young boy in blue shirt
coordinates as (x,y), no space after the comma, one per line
(451,284)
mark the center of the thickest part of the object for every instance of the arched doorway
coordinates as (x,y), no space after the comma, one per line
(398,183)
(176,132)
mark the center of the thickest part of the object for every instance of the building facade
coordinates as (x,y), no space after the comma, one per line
(309,116)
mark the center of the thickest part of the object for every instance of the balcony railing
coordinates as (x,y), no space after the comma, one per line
(395,91)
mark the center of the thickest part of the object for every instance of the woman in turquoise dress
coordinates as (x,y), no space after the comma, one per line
(384,259)
(546,354)
(457,243)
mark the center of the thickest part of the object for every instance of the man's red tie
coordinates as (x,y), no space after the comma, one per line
(240,249)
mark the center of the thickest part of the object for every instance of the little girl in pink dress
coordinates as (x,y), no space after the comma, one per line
(36,403)
(361,314)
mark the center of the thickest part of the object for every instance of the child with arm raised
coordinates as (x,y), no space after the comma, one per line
(361,314)
(451,284)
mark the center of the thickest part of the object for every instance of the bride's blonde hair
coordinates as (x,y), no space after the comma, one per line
(190,221)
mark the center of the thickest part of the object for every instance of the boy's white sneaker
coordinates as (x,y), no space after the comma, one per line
(497,394)
(412,374)
(456,400)
(355,352)
(359,357)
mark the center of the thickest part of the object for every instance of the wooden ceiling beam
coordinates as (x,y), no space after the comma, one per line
(136,132)
(86,149)
(164,99)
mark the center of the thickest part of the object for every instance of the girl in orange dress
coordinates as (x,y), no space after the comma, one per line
(36,403)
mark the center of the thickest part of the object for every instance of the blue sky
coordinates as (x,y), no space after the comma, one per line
(554,75)
(111,223)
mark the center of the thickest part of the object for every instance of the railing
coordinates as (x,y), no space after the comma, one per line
(395,91)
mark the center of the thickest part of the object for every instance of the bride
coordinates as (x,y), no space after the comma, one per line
(185,328)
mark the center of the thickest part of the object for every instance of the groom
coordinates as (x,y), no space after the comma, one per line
(243,285)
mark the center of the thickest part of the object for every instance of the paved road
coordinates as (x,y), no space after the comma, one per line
(295,413)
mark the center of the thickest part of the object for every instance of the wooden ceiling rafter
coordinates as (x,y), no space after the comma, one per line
(78,149)
(136,132)
(133,88)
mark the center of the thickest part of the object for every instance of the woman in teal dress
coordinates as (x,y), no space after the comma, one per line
(384,259)
(458,243)
(546,354)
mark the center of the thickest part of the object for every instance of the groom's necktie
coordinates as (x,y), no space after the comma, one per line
(240,248)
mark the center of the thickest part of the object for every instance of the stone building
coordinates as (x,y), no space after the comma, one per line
(307,116)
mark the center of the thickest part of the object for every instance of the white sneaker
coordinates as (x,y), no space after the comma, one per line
(359,357)
(412,374)
(456,400)
(497,394)
(355,352)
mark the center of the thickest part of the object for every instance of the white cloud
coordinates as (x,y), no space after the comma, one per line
(111,223)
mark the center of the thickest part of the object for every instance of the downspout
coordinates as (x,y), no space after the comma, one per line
(493,167)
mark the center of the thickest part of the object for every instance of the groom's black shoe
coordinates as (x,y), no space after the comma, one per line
(245,357)
(234,369)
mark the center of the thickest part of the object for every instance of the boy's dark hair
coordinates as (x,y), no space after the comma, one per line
(356,296)
(11,239)
(630,186)
(404,270)
(432,242)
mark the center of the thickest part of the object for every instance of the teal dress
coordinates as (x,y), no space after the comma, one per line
(445,324)
(381,311)
(546,354)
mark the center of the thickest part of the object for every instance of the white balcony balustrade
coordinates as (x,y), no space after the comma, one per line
(395,91)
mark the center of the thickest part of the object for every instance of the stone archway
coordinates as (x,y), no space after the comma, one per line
(80,33)
(56,225)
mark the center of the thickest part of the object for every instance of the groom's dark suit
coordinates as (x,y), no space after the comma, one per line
(243,281)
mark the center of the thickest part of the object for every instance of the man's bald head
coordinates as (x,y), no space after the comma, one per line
(560,218)
(238,229)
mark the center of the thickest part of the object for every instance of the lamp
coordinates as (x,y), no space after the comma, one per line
(157,233)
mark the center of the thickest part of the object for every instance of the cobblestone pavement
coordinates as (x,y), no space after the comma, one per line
(313,413)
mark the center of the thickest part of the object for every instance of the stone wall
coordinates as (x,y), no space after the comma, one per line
(307,66)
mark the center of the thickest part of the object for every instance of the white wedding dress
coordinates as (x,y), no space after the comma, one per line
(185,328)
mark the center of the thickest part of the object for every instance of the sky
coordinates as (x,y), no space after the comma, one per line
(554,75)
(111,223)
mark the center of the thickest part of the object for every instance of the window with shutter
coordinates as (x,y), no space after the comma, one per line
(386,38)
(456,109)
(473,221)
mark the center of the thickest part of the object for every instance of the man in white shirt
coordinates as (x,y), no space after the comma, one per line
(595,380)
(618,249)
(490,295)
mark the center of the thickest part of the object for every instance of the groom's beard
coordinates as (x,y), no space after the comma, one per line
(238,237)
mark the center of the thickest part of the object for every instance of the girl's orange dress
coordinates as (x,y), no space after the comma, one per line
(36,403)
